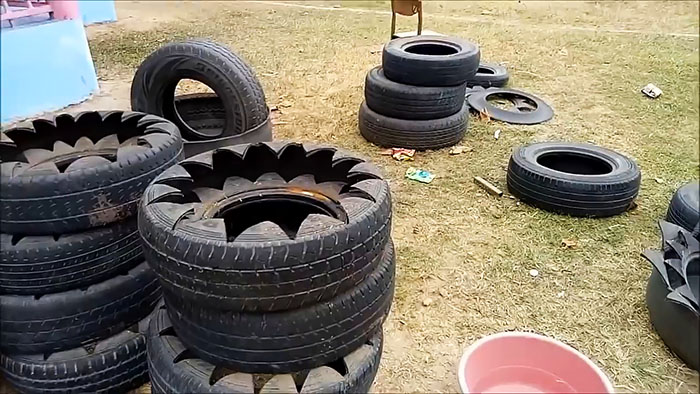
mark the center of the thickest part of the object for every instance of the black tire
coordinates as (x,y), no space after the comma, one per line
(677,326)
(174,369)
(113,365)
(489,75)
(62,321)
(397,100)
(574,179)
(233,81)
(413,134)
(430,60)
(50,264)
(241,260)
(202,111)
(86,171)
(287,341)
(684,209)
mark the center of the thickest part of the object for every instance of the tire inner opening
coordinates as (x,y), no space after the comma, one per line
(511,102)
(207,121)
(431,49)
(574,163)
(481,70)
(286,208)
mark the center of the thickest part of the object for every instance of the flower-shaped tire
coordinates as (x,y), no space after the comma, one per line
(267,226)
(77,172)
(174,369)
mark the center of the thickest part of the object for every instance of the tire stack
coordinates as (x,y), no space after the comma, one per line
(277,270)
(75,292)
(415,99)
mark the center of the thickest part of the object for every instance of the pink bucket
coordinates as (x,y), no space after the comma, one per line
(520,362)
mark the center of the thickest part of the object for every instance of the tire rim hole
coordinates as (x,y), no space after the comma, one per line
(286,207)
(511,102)
(431,49)
(483,70)
(209,123)
(574,163)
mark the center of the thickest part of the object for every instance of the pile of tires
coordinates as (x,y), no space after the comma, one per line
(416,99)
(235,113)
(573,178)
(75,292)
(673,292)
(277,270)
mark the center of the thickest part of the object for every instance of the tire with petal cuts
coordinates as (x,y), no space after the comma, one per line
(72,173)
(62,321)
(267,226)
(573,178)
(290,340)
(42,264)
(113,365)
(175,369)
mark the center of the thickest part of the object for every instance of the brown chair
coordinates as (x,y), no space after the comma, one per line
(407,8)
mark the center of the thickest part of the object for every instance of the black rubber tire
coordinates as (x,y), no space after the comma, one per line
(287,341)
(489,75)
(610,192)
(264,270)
(174,369)
(233,81)
(401,65)
(397,100)
(684,209)
(677,326)
(202,111)
(113,365)
(62,321)
(413,134)
(94,195)
(50,264)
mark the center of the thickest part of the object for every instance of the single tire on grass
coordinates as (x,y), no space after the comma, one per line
(62,321)
(489,75)
(430,60)
(574,179)
(413,134)
(267,226)
(174,369)
(116,364)
(42,264)
(234,82)
(78,172)
(292,340)
(397,100)
(684,209)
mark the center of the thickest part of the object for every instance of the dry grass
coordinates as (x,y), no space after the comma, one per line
(467,251)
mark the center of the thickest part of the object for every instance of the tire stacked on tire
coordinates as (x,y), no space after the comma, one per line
(684,208)
(416,98)
(235,113)
(75,292)
(277,270)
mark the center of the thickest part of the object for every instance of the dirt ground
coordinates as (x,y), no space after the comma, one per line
(464,256)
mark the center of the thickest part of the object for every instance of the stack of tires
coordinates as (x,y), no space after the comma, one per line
(416,98)
(75,292)
(277,270)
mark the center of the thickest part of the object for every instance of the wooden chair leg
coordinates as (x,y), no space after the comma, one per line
(420,18)
(393,24)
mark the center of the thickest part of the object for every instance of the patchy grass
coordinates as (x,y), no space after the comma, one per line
(469,252)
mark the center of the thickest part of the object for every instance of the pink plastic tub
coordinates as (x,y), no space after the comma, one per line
(520,362)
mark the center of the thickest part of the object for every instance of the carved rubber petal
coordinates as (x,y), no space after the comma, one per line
(86,162)
(62,148)
(34,156)
(355,360)
(84,143)
(266,228)
(124,153)
(280,384)
(235,184)
(208,194)
(211,229)
(48,168)
(315,223)
(321,380)
(270,178)
(354,206)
